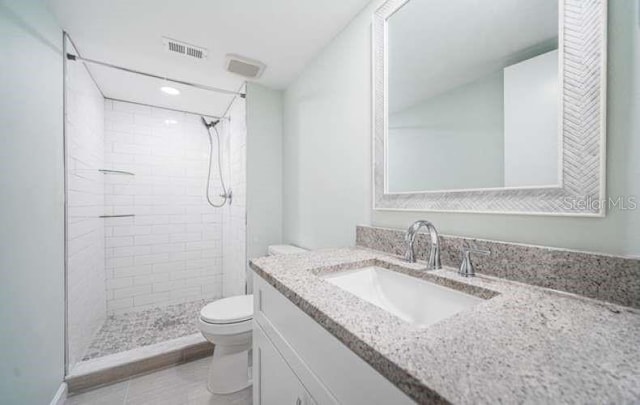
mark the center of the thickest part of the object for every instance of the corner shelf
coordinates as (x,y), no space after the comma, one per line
(108,171)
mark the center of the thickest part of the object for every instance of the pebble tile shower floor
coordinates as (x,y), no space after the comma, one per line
(134,329)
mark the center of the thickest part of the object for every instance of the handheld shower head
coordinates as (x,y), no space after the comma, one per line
(226,193)
(211,124)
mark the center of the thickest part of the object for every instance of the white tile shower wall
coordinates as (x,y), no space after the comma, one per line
(84,122)
(234,245)
(171,251)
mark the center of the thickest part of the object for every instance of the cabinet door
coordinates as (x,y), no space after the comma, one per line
(274,382)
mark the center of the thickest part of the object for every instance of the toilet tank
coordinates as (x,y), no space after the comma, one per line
(275,250)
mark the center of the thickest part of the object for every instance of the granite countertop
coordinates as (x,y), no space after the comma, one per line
(524,344)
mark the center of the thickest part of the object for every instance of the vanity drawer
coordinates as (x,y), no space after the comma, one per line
(321,361)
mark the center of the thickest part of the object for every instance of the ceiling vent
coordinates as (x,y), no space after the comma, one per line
(249,68)
(184,49)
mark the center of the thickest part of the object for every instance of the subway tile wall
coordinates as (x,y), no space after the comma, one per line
(84,126)
(171,251)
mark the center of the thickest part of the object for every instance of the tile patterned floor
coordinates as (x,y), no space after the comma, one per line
(183,384)
(128,331)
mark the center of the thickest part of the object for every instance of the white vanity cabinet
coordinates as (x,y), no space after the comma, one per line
(278,384)
(297,362)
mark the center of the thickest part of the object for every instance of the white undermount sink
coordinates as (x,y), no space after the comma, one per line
(411,299)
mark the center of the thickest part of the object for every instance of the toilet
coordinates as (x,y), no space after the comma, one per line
(228,324)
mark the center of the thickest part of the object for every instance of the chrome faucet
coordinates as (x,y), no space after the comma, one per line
(467,269)
(434,252)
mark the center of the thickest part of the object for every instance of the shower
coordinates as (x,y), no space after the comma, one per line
(139,267)
(226,195)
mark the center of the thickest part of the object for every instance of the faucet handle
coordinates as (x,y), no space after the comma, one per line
(466,267)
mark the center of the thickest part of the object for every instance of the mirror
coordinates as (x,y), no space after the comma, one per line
(493,106)
(473,95)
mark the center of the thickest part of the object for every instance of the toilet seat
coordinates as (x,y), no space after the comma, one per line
(225,329)
(229,310)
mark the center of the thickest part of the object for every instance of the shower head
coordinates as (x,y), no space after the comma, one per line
(211,124)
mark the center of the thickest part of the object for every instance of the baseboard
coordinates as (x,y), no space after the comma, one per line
(61,395)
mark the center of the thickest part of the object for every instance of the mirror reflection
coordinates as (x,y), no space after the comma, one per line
(479,106)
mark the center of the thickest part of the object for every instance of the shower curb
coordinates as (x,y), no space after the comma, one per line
(121,366)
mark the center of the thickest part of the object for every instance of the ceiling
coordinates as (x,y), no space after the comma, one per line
(437,45)
(283,34)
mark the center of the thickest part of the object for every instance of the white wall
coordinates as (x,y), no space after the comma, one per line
(327,153)
(171,251)
(84,126)
(264,169)
(466,123)
(234,215)
(31,205)
(326,144)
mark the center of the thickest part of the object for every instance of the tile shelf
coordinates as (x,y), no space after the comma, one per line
(108,171)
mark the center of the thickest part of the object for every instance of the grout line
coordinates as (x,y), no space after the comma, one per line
(126,393)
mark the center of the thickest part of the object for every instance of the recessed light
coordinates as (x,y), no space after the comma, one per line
(170,122)
(170,90)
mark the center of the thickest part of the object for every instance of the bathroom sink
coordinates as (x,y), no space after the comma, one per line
(411,299)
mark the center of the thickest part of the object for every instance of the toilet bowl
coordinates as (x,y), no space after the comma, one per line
(228,324)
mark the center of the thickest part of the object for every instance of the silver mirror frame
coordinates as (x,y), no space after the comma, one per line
(582,44)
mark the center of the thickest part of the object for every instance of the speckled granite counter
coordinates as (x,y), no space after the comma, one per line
(523,344)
